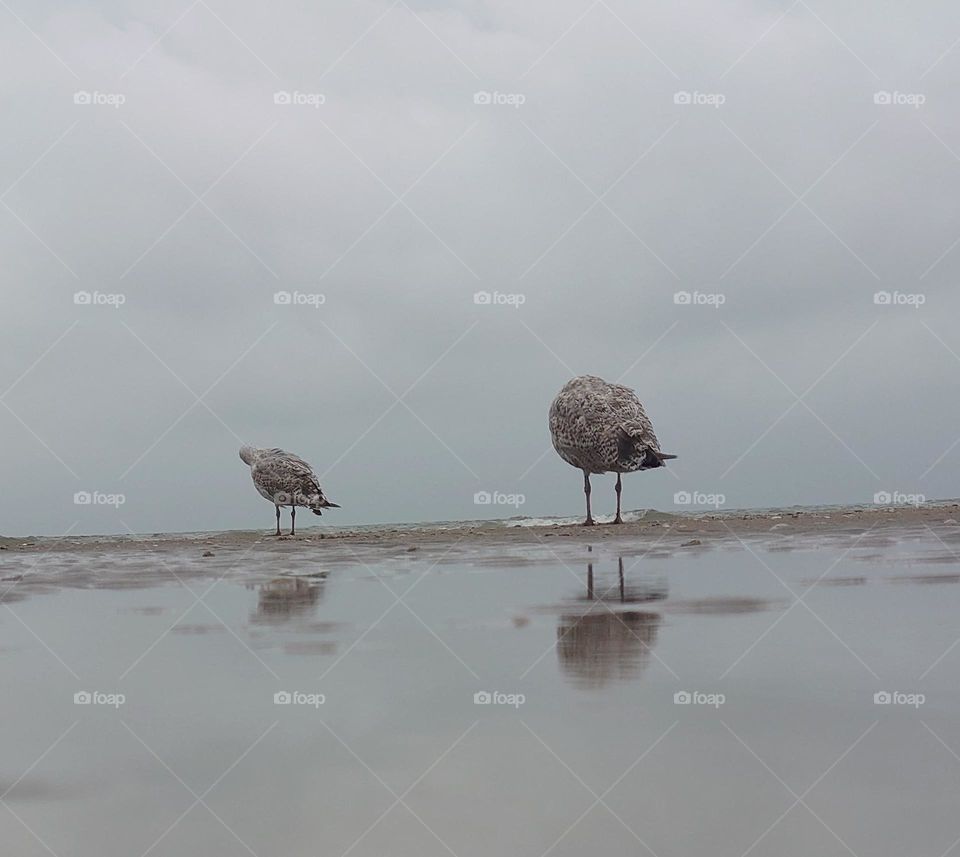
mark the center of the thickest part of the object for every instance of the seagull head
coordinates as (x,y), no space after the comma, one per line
(248,454)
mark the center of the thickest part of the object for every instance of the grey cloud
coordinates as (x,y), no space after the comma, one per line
(694,198)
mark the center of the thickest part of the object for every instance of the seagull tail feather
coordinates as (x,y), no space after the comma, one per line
(326,504)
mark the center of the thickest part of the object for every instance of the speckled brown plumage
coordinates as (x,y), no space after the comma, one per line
(285,479)
(601,427)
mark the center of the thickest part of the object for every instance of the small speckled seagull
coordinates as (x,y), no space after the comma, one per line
(600,427)
(285,479)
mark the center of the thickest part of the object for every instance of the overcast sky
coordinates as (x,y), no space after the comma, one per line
(593,159)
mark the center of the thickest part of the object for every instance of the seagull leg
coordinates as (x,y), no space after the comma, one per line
(618,489)
(586,490)
(293,519)
(278,520)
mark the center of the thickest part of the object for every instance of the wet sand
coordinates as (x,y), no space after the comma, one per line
(467,693)
(650,525)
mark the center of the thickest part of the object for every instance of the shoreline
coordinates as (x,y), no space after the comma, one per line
(663,526)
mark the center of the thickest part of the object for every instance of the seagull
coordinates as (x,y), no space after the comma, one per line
(601,427)
(285,479)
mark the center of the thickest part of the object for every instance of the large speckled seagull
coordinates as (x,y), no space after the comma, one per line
(285,479)
(600,427)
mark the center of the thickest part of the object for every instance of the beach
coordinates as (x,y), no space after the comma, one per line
(778,682)
(647,524)
(480,429)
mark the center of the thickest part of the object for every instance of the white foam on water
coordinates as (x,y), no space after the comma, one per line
(628,517)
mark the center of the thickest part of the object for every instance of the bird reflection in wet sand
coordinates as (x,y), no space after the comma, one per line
(603,644)
(285,598)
